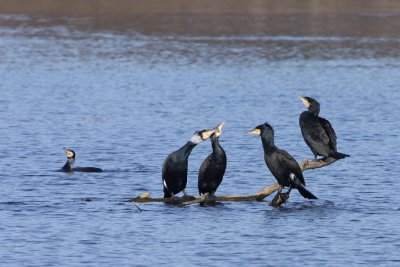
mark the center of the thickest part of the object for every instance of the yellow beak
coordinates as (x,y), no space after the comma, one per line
(69,153)
(220,126)
(305,101)
(255,132)
(207,133)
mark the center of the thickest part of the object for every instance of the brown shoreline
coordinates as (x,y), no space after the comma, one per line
(372,18)
(88,8)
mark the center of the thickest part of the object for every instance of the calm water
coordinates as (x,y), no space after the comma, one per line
(123,102)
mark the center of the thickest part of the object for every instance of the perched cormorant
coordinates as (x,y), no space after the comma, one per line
(213,167)
(71,159)
(175,167)
(318,132)
(281,164)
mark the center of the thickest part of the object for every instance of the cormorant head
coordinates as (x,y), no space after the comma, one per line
(70,153)
(218,130)
(202,135)
(311,104)
(263,130)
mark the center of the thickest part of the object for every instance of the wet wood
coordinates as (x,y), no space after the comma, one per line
(258,196)
(310,165)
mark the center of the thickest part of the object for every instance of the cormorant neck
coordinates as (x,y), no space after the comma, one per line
(187,148)
(268,142)
(215,144)
(68,164)
(314,109)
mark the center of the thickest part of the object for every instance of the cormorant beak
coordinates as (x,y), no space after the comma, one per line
(218,128)
(69,153)
(205,134)
(305,101)
(255,131)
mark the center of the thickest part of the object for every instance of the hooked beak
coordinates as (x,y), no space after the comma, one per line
(305,101)
(205,134)
(68,152)
(219,127)
(255,132)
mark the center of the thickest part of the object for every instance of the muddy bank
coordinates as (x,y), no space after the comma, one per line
(369,18)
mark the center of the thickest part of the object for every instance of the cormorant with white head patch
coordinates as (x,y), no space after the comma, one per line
(70,162)
(175,167)
(281,164)
(213,167)
(318,132)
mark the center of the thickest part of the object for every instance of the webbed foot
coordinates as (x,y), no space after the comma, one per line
(188,198)
(279,199)
(210,199)
(175,200)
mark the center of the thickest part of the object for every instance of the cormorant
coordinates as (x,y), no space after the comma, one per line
(71,159)
(318,132)
(213,167)
(281,164)
(175,167)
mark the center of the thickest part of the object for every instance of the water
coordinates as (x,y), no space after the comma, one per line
(124,101)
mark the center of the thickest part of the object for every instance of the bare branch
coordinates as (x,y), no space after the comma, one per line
(259,196)
(310,165)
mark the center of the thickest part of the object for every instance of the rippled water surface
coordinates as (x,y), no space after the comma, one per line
(123,102)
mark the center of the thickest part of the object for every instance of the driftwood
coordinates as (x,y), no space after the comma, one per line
(310,165)
(259,196)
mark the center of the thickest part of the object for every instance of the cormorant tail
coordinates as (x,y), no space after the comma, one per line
(338,155)
(167,195)
(303,191)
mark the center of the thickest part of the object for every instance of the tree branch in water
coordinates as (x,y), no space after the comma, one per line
(259,196)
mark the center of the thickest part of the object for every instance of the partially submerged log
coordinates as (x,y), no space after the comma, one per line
(315,164)
(259,196)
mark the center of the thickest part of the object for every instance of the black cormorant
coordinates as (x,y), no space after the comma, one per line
(213,167)
(70,161)
(175,167)
(318,132)
(281,164)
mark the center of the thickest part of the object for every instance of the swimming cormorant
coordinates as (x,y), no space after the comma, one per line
(175,167)
(213,167)
(71,159)
(281,164)
(318,132)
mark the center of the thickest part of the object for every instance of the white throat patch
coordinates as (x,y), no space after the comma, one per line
(196,139)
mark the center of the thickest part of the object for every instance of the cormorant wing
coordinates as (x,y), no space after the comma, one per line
(291,164)
(166,165)
(329,131)
(315,135)
(203,171)
(204,165)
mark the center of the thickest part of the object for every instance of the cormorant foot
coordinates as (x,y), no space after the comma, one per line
(279,199)
(176,200)
(210,199)
(285,196)
(188,198)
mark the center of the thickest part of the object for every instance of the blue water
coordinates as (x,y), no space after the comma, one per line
(124,102)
